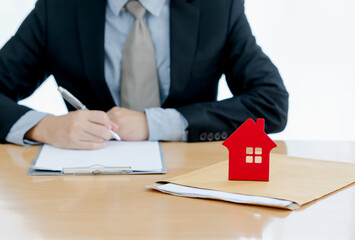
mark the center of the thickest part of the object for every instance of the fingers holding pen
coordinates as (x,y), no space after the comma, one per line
(75,130)
(101,118)
(96,117)
(95,126)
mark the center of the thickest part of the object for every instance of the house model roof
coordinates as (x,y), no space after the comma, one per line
(250,133)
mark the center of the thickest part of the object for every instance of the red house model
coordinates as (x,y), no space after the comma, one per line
(249,152)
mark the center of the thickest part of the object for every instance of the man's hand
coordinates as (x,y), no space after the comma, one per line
(133,125)
(75,130)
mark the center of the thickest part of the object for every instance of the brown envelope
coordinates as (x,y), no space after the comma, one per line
(295,179)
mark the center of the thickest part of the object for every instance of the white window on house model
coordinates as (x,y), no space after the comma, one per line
(253,155)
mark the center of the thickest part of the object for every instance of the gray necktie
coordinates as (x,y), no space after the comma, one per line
(139,77)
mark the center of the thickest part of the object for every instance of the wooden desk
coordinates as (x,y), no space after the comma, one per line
(120,207)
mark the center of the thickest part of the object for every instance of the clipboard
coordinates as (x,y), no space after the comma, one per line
(99,168)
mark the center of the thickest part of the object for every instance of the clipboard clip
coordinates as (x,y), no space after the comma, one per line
(96,169)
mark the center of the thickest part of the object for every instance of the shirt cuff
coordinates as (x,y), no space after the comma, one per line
(17,132)
(166,125)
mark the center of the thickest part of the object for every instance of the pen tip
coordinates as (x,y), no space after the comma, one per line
(60,89)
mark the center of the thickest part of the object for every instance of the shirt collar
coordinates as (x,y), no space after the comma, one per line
(152,6)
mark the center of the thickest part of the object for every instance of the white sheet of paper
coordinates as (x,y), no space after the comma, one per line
(185,191)
(140,156)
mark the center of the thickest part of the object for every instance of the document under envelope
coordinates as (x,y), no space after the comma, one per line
(293,182)
(117,157)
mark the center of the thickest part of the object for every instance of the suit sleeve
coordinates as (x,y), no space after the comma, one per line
(22,67)
(256,85)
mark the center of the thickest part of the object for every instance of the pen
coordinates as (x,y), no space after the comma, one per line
(78,105)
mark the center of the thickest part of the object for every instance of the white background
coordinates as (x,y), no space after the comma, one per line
(311,41)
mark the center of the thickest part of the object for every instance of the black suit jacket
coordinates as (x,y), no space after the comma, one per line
(209,38)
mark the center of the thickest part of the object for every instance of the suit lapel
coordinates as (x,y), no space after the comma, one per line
(91,22)
(184,22)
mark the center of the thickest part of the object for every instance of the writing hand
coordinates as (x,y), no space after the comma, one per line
(75,130)
(133,125)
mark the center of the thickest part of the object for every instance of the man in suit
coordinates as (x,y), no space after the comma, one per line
(82,44)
